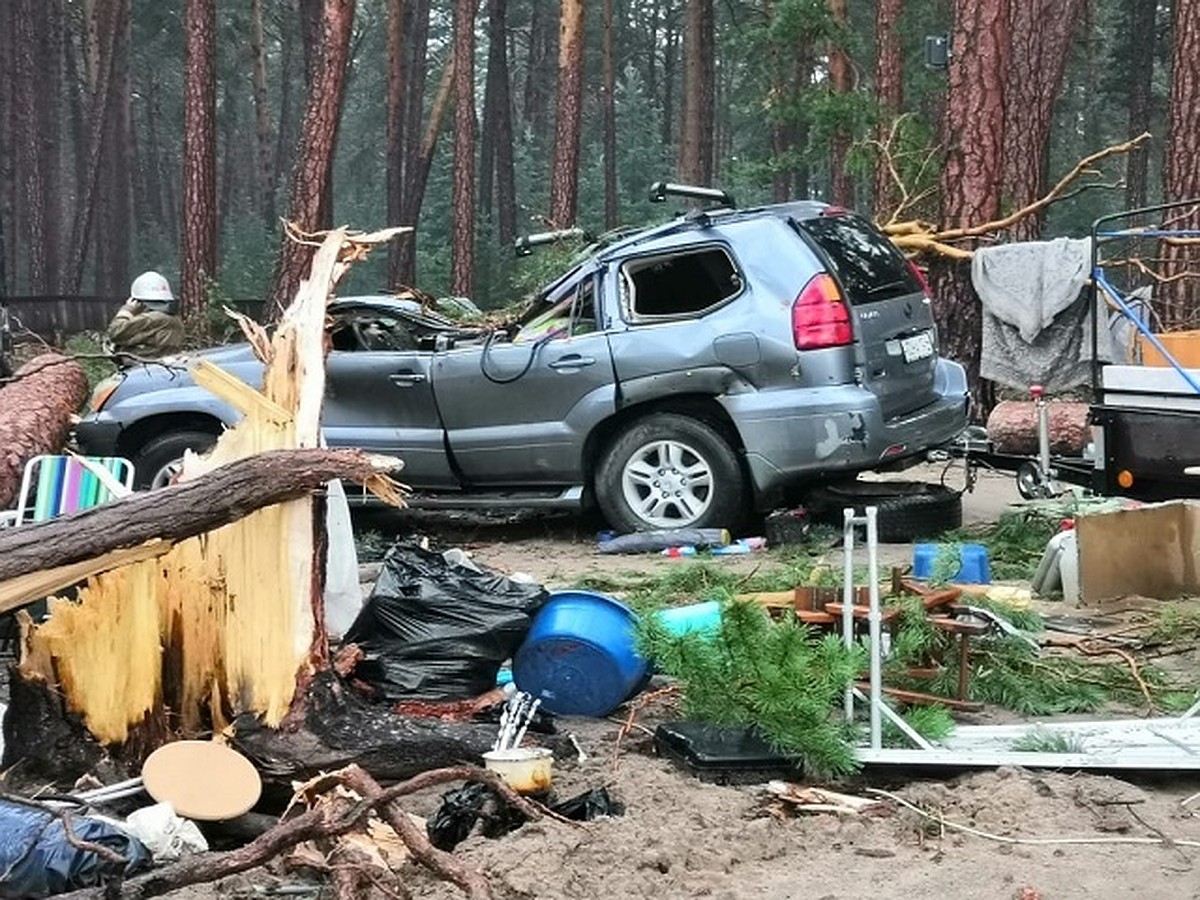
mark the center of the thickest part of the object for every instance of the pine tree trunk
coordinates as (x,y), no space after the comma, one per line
(418,177)
(970,179)
(394,153)
(1141,30)
(487,134)
(29,158)
(103,21)
(55,200)
(412,193)
(314,154)
(199,253)
(564,175)
(264,162)
(841,81)
(462,263)
(285,137)
(113,232)
(506,177)
(610,122)
(8,130)
(695,145)
(1040,36)
(670,65)
(539,74)
(889,94)
(1181,298)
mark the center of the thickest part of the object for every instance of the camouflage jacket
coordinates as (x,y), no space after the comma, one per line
(146,333)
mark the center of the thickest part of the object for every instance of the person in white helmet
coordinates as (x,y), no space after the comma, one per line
(147,326)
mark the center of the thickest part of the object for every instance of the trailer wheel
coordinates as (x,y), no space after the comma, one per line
(908,510)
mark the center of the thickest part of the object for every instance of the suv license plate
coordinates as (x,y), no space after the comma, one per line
(919,346)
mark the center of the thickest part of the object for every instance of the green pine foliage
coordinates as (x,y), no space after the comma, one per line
(782,678)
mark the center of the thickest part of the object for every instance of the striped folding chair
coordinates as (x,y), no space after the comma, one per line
(54,486)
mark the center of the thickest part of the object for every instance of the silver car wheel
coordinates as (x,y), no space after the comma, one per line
(165,475)
(667,484)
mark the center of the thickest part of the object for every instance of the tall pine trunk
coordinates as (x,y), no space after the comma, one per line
(29,146)
(539,74)
(113,235)
(610,122)
(1040,38)
(264,169)
(841,81)
(564,175)
(199,253)
(394,153)
(889,94)
(314,153)
(1141,31)
(8,130)
(495,100)
(1181,298)
(462,263)
(971,177)
(699,67)
(413,187)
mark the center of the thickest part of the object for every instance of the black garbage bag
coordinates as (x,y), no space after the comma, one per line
(462,807)
(589,805)
(432,630)
(36,860)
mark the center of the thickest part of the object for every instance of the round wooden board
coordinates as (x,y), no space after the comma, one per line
(203,780)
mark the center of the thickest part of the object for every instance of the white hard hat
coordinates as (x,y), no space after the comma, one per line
(151,286)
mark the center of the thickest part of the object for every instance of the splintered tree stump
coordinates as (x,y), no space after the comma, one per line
(41,734)
(36,406)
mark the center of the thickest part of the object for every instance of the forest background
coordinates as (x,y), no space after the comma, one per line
(178,134)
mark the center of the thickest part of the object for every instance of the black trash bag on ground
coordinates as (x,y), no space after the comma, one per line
(589,805)
(462,807)
(432,630)
(36,860)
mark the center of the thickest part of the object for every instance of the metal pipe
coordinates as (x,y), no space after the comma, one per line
(875,623)
(848,600)
(1043,420)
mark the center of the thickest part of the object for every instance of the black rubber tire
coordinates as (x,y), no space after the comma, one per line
(164,450)
(727,500)
(908,510)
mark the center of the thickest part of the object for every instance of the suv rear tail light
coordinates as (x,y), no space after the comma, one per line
(819,316)
(920,276)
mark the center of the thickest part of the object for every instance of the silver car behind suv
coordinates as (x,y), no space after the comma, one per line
(682,375)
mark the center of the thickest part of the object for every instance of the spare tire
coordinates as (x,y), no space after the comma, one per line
(908,510)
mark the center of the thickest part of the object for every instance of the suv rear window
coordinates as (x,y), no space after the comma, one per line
(867,264)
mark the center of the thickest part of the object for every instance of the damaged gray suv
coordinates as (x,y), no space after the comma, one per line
(686,374)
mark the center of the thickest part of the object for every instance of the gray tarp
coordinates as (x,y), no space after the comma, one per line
(1036,321)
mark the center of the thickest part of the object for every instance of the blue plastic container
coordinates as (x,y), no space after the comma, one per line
(974,566)
(701,618)
(579,657)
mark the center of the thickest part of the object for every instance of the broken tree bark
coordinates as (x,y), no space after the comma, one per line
(182,510)
(35,415)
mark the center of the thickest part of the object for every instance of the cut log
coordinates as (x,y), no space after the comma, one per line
(183,510)
(1012,427)
(36,406)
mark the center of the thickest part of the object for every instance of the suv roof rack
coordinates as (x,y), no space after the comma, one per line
(524,245)
(660,190)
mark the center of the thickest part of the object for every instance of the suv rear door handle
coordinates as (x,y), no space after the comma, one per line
(406,379)
(573,361)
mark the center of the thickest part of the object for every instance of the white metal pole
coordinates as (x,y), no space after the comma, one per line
(848,600)
(874,622)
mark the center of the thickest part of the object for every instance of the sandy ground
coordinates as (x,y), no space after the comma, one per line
(682,837)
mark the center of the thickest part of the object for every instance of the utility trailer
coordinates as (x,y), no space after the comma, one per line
(1145,412)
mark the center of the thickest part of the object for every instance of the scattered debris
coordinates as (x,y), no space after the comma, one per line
(805,799)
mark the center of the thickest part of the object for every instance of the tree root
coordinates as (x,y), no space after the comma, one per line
(337,816)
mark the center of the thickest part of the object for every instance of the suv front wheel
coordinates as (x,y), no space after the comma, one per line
(670,471)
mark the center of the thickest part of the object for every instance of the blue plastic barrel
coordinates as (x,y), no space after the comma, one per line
(580,657)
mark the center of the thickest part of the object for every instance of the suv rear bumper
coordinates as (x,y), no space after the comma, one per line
(793,436)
